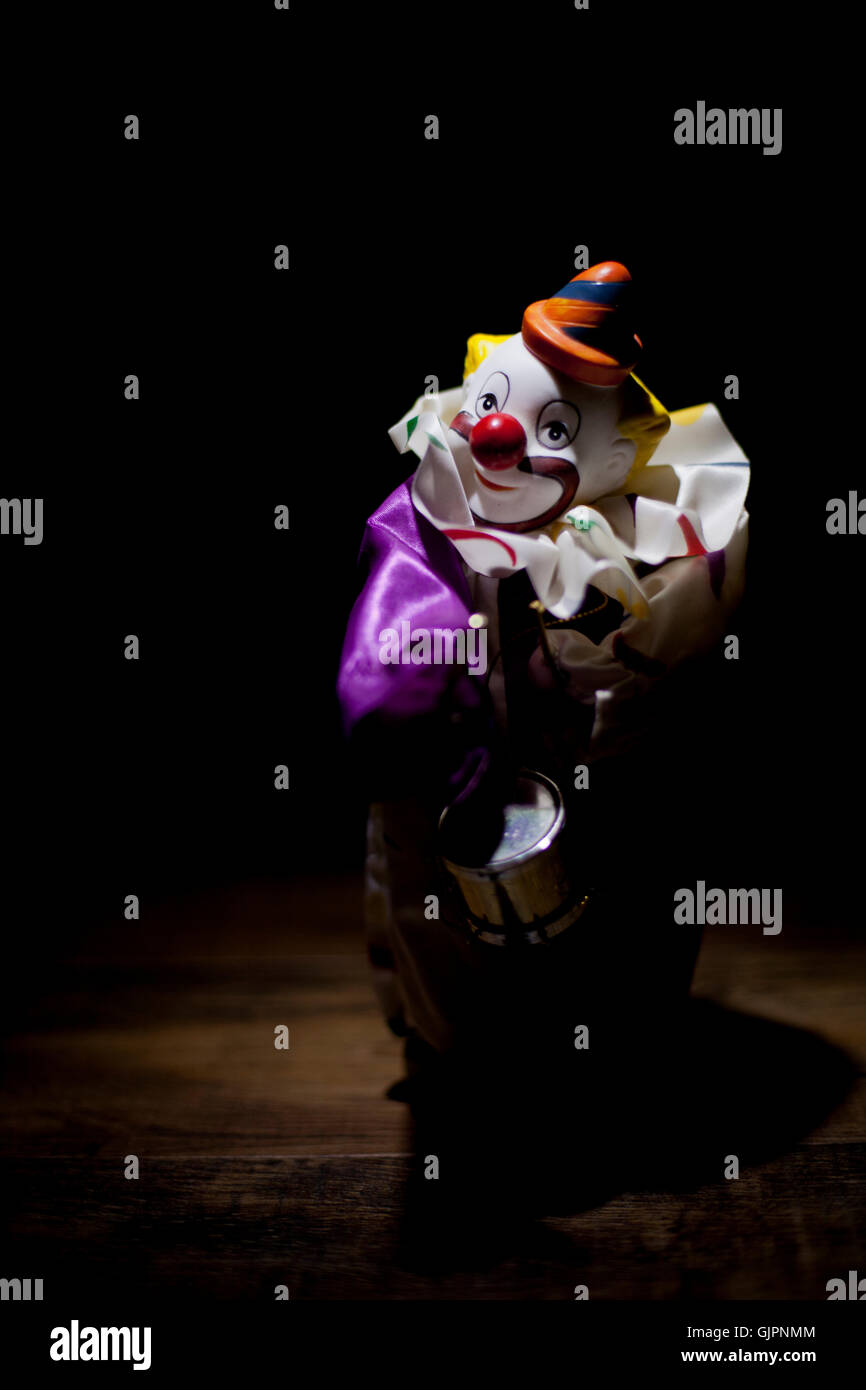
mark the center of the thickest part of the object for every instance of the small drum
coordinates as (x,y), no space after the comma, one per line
(524,895)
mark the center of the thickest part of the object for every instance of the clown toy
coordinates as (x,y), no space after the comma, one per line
(563,543)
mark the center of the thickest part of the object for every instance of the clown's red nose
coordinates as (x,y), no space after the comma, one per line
(497,441)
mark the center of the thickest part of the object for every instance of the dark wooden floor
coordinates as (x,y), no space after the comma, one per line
(261,1167)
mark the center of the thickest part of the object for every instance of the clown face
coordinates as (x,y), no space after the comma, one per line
(530,443)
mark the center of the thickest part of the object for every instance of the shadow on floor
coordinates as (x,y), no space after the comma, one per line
(661,1117)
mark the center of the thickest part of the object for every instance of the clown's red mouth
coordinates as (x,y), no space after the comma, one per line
(494,487)
(562,470)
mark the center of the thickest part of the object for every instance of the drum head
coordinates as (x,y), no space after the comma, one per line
(531,818)
(531,821)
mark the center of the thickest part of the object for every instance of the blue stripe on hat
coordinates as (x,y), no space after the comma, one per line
(595,291)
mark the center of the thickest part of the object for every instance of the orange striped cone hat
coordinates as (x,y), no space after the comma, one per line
(585,331)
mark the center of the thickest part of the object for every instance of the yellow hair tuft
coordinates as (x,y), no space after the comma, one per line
(479,346)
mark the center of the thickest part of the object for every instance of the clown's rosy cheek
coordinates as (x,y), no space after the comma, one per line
(462,424)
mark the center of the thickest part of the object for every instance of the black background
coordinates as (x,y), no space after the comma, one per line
(261,387)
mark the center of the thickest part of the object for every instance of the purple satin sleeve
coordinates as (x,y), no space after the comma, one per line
(417,730)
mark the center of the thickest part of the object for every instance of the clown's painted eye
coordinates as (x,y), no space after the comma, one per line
(557,425)
(494,395)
